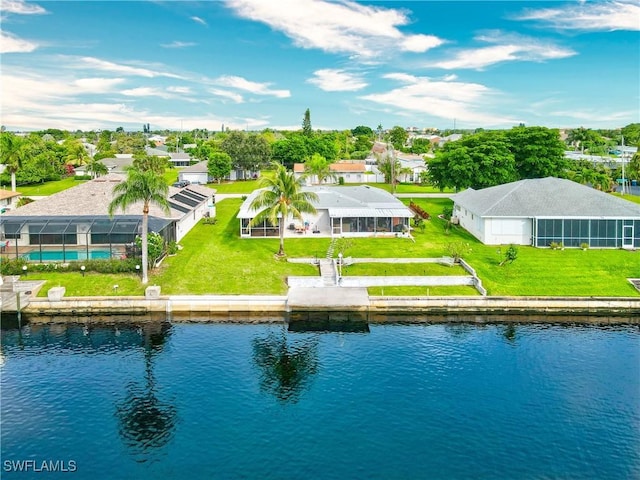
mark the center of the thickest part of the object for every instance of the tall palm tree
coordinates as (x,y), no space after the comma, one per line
(143,186)
(11,153)
(282,198)
(96,168)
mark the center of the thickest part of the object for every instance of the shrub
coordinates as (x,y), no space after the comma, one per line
(14,266)
(82,177)
(340,180)
(510,255)
(172,248)
(584,245)
(447,212)
(457,249)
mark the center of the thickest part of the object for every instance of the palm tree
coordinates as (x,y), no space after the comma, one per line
(319,167)
(282,198)
(11,152)
(76,153)
(141,186)
(96,168)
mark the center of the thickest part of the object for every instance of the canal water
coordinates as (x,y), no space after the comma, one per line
(257,401)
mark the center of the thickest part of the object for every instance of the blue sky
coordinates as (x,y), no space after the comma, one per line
(255,64)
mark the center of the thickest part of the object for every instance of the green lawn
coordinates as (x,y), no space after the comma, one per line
(48,188)
(93,284)
(454,290)
(214,260)
(631,198)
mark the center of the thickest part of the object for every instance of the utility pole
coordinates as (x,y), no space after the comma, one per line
(622,155)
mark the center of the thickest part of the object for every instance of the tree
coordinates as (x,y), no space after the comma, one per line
(96,168)
(76,153)
(306,124)
(141,186)
(248,152)
(362,130)
(142,161)
(538,152)
(219,165)
(477,161)
(631,134)
(11,154)
(282,198)
(398,136)
(389,165)
(318,166)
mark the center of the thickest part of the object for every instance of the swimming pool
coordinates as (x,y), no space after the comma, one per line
(65,256)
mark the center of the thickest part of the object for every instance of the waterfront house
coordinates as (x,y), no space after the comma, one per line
(350,211)
(548,211)
(77,220)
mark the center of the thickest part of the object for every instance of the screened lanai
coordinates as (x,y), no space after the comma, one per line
(63,239)
(360,211)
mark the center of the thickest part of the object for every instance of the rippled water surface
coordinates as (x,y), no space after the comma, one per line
(256,401)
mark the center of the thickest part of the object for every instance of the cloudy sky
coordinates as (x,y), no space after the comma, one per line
(253,64)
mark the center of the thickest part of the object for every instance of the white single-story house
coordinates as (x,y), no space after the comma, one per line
(114,165)
(75,222)
(350,211)
(411,167)
(351,171)
(196,174)
(548,210)
(8,199)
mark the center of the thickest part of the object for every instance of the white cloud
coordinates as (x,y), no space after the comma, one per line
(199,20)
(21,8)
(106,66)
(181,90)
(178,44)
(236,97)
(507,48)
(249,86)
(97,85)
(597,117)
(466,102)
(589,16)
(9,43)
(339,27)
(336,80)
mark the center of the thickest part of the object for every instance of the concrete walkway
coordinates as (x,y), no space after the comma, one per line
(302,298)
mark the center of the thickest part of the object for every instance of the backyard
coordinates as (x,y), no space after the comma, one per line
(214,260)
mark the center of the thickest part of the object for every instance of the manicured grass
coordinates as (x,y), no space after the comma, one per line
(454,290)
(171,175)
(48,188)
(631,198)
(402,269)
(92,284)
(214,260)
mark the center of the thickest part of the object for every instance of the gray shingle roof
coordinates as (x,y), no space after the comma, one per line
(544,197)
(360,201)
(200,167)
(92,198)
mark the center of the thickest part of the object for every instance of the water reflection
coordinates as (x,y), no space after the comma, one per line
(286,365)
(146,421)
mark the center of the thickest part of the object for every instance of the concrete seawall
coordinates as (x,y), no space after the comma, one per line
(267,308)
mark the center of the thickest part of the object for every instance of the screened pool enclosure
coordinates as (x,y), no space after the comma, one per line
(596,233)
(65,239)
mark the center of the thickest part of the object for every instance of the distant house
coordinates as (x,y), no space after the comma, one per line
(544,210)
(450,138)
(196,174)
(8,199)
(411,167)
(114,165)
(350,211)
(351,171)
(75,224)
